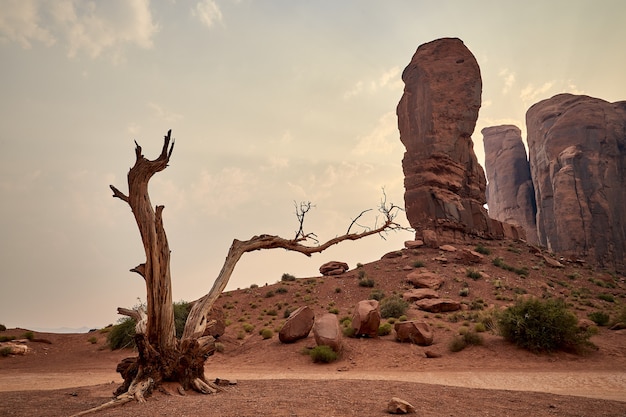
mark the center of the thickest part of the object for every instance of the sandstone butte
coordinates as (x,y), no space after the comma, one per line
(510,191)
(577,164)
(444,184)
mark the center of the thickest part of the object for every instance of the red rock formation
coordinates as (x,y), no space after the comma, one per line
(577,149)
(510,191)
(444,184)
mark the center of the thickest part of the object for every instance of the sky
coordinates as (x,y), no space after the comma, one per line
(269,102)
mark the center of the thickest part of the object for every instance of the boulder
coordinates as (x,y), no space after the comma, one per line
(438,305)
(552,262)
(447,248)
(577,151)
(419,293)
(219,327)
(425,280)
(430,238)
(413,244)
(327,331)
(510,191)
(366,318)
(399,406)
(417,332)
(333,268)
(298,325)
(444,183)
(468,256)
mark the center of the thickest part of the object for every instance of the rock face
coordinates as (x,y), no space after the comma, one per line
(298,325)
(510,191)
(417,332)
(366,318)
(333,268)
(444,184)
(577,149)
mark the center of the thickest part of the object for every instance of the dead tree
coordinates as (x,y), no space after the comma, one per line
(161,356)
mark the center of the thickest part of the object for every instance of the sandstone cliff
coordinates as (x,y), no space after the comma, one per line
(510,191)
(444,184)
(577,150)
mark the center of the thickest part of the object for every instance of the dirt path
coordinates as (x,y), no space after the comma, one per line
(593,384)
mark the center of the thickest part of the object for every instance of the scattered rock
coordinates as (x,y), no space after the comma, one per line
(441,259)
(392,255)
(552,262)
(431,354)
(468,256)
(15,348)
(327,331)
(584,324)
(419,293)
(398,406)
(219,327)
(417,332)
(298,325)
(447,248)
(333,268)
(366,318)
(438,305)
(430,238)
(413,244)
(425,280)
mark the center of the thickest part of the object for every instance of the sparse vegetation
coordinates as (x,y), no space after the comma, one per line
(482,250)
(93,340)
(542,326)
(599,317)
(122,335)
(29,335)
(181,311)
(5,351)
(266,333)
(377,295)
(269,294)
(253,286)
(247,327)
(282,290)
(3,328)
(464,340)
(323,354)
(367,282)
(499,262)
(393,307)
(418,264)
(219,347)
(287,277)
(384,329)
(464,292)
(473,274)
(607,297)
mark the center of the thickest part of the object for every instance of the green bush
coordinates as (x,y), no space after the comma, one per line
(269,294)
(499,262)
(464,292)
(542,326)
(287,277)
(606,297)
(473,274)
(6,338)
(282,290)
(393,307)
(2,328)
(367,282)
(5,351)
(483,250)
(122,335)
(247,327)
(377,295)
(467,338)
(323,354)
(29,335)
(384,329)
(181,312)
(599,317)
(266,333)
(93,340)
(418,264)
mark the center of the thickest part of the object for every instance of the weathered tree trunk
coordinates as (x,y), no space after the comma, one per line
(161,357)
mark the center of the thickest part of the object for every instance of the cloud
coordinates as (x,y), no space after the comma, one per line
(218,193)
(208,12)
(389,79)
(509,79)
(92,28)
(163,114)
(20,22)
(531,93)
(382,140)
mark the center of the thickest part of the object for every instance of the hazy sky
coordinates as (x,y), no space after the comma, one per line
(270,102)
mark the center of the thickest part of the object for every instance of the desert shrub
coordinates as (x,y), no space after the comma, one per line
(2,328)
(377,295)
(333,310)
(288,311)
(272,312)
(542,326)
(241,335)
(337,290)
(247,327)
(483,250)
(480,327)
(467,338)
(361,274)
(418,264)
(384,329)
(323,354)
(181,312)
(5,351)
(93,340)
(499,262)
(473,274)
(6,338)
(266,333)
(606,297)
(29,335)
(282,290)
(122,335)
(403,318)
(252,286)
(599,317)
(367,282)
(393,307)
(464,292)
(269,294)
(287,277)
(219,347)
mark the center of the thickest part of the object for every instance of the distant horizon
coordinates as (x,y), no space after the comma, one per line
(269,103)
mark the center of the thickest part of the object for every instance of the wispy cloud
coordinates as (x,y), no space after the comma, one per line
(382,140)
(92,28)
(164,114)
(508,78)
(389,79)
(208,12)
(531,93)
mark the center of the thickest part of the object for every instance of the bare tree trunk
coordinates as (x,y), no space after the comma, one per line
(161,356)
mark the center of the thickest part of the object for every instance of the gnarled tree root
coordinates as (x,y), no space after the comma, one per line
(137,392)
